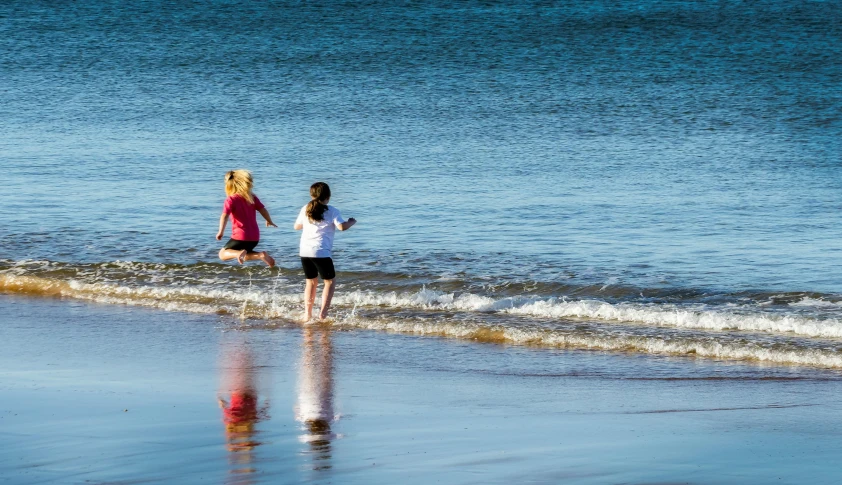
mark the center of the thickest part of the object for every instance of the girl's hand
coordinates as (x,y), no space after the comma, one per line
(219,235)
(270,224)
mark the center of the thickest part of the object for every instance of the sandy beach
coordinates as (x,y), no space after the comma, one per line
(114,394)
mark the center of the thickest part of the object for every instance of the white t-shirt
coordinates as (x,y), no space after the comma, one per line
(317,236)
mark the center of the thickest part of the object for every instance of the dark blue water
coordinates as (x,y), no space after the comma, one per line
(609,151)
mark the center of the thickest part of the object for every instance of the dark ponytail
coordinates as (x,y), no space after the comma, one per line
(320,193)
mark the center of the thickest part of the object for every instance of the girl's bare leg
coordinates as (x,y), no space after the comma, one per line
(327,296)
(309,299)
(263,256)
(241,255)
(229,254)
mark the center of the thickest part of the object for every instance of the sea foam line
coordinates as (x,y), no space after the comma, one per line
(288,306)
(275,304)
(661,315)
(676,317)
(252,304)
(682,346)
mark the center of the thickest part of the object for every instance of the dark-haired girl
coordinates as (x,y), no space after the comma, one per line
(319,222)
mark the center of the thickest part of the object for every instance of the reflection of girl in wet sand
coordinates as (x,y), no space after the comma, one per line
(241,413)
(315,394)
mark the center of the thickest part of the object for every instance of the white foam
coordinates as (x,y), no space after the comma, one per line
(625,343)
(679,317)
(277,302)
(249,303)
(812,302)
(260,304)
(654,315)
(427,299)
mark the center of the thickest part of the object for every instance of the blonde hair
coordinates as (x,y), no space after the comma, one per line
(239,182)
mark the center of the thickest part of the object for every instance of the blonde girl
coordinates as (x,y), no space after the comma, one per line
(319,222)
(242,206)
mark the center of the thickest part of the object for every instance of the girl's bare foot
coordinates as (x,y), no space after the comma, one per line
(241,258)
(306,318)
(269,260)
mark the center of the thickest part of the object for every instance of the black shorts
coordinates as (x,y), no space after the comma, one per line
(318,267)
(238,245)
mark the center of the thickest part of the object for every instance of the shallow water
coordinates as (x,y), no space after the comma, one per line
(654,177)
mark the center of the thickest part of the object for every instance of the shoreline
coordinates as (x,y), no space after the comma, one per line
(108,393)
(802,337)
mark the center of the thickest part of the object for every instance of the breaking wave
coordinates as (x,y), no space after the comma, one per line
(802,331)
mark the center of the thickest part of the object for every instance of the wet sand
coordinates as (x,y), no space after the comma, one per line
(115,394)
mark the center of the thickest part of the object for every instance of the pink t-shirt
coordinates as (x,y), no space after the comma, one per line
(243,217)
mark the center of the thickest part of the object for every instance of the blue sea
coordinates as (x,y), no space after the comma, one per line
(658,177)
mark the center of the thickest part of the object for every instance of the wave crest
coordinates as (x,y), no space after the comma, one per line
(625,327)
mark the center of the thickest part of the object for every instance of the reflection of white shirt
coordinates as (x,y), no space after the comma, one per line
(315,384)
(317,236)
(315,395)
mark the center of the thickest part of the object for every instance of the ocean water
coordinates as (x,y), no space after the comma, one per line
(636,176)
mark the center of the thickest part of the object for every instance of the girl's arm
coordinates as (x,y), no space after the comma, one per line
(347,224)
(223,220)
(299,222)
(265,214)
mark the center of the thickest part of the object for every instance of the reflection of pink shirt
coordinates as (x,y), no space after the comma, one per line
(242,409)
(243,217)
